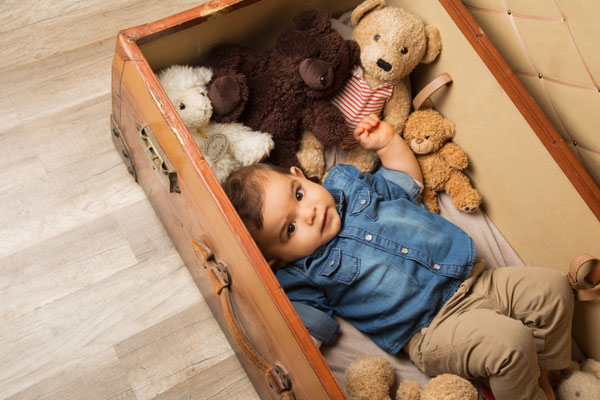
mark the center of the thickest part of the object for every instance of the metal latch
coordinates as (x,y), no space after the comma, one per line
(158,160)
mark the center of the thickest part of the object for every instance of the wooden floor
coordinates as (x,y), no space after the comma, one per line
(95,302)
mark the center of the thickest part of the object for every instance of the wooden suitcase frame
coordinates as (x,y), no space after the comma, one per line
(260,323)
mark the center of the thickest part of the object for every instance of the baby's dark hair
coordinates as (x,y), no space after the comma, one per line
(246,189)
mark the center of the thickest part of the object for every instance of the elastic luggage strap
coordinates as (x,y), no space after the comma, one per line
(591,279)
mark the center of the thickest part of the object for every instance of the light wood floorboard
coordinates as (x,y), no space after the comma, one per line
(95,302)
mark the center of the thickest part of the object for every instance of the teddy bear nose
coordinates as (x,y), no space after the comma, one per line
(384,65)
(317,74)
(419,140)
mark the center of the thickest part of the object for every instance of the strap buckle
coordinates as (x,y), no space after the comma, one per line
(591,279)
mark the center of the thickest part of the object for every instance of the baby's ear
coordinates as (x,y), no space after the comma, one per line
(297,172)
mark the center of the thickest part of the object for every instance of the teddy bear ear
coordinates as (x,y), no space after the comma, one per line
(203,76)
(591,366)
(313,21)
(364,8)
(434,44)
(449,127)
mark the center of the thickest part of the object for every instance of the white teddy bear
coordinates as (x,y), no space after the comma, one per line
(226,147)
(582,382)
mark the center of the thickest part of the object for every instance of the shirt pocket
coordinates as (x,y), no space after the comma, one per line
(365,203)
(341,267)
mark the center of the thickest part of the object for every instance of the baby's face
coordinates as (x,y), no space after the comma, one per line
(298,217)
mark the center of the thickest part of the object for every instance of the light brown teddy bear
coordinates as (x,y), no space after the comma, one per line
(392,43)
(427,133)
(371,377)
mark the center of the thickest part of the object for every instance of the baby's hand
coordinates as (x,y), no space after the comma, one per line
(372,133)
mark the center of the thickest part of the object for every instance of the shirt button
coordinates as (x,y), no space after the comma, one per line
(363,201)
(332,263)
(436,266)
(404,250)
(368,237)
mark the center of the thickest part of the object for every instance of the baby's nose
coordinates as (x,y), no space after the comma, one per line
(309,214)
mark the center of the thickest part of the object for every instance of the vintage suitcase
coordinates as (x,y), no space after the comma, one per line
(535,190)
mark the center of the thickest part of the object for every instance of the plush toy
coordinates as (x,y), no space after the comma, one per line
(579,382)
(428,134)
(371,377)
(226,147)
(392,43)
(288,88)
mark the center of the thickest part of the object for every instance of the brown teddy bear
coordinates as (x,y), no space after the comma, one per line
(286,90)
(392,43)
(371,377)
(427,133)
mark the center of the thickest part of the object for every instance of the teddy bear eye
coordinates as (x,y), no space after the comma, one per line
(404,50)
(427,137)
(181,106)
(376,37)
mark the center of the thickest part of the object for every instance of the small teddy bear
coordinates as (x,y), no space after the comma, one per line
(371,377)
(580,382)
(427,133)
(226,147)
(392,43)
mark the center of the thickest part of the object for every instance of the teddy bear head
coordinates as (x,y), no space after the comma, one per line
(186,87)
(426,131)
(392,40)
(580,383)
(312,57)
(444,386)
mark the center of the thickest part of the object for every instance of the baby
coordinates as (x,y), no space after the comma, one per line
(366,248)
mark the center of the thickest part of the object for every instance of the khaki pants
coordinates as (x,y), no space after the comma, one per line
(505,325)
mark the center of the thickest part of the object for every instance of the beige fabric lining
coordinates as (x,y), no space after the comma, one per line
(557,40)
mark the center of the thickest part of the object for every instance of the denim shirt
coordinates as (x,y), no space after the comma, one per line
(388,271)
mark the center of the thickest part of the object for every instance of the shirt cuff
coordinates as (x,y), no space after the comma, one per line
(320,325)
(408,184)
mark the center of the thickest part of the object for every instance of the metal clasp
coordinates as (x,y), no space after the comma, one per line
(158,160)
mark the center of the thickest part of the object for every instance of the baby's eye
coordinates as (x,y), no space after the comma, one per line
(299,194)
(291,229)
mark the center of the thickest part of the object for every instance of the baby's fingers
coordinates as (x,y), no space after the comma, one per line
(372,120)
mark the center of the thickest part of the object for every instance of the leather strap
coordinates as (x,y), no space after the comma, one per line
(591,279)
(276,376)
(429,89)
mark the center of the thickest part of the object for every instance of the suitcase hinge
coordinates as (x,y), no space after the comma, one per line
(121,146)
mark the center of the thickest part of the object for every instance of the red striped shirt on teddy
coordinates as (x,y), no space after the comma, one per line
(356,100)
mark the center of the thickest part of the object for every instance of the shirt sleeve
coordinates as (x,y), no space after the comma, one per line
(310,304)
(405,182)
(320,325)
